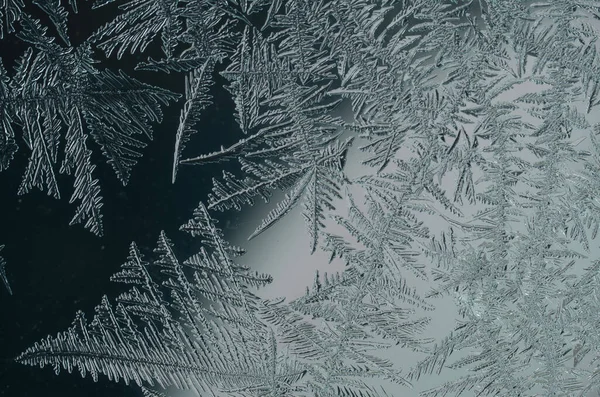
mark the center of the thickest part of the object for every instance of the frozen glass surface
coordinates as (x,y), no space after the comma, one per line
(387,198)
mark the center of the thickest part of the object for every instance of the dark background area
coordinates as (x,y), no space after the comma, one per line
(55,269)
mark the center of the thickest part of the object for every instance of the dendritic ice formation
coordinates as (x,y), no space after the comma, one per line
(56,99)
(3,272)
(197,325)
(477,120)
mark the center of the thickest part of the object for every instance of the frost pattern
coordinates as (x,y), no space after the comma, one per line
(3,272)
(57,99)
(197,325)
(470,116)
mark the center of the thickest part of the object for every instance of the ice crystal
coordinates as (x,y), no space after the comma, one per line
(470,115)
(3,272)
(56,99)
(197,325)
